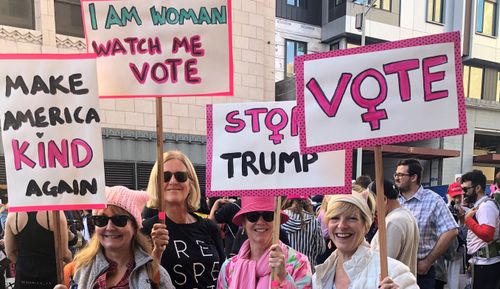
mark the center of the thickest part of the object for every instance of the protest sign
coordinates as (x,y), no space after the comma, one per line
(253,150)
(161,48)
(51,132)
(381,94)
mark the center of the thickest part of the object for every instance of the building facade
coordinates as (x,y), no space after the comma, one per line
(128,125)
(333,24)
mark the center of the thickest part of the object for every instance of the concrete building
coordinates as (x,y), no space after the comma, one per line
(128,125)
(308,26)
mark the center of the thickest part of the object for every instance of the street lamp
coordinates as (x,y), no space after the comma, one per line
(367,6)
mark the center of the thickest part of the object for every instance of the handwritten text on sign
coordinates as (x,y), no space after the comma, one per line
(51,133)
(253,149)
(381,94)
(160,48)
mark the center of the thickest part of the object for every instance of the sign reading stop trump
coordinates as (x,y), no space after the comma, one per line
(381,94)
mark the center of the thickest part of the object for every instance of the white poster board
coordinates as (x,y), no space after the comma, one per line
(381,94)
(51,132)
(161,48)
(253,150)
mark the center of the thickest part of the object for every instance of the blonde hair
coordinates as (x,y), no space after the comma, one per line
(340,208)
(87,255)
(194,195)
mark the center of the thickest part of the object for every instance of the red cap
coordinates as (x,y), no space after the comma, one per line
(455,189)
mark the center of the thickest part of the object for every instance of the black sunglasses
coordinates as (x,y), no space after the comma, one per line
(118,220)
(254,216)
(466,189)
(181,177)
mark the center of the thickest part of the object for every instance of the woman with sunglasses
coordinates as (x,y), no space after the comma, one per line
(193,250)
(251,268)
(117,255)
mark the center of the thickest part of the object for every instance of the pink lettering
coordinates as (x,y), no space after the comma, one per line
(329,107)
(19,156)
(429,77)
(76,144)
(55,154)
(254,113)
(276,137)
(402,68)
(238,123)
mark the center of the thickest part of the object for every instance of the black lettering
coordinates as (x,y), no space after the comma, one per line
(9,85)
(55,116)
(18,120)
(92,115)
(86,186)
(33,189)
(284,157)
(306,161)
(230,164)
(247,160)
(40,120)
(38,85)
(262,163)
(74,82)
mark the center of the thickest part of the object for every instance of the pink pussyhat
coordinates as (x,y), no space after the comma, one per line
(131,201)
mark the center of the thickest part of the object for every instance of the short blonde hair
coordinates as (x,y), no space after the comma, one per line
(194,195)
(339,207)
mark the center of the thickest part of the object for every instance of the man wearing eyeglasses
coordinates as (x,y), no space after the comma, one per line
(436,224)
(483,237)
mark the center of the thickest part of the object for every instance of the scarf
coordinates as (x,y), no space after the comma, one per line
(250,273)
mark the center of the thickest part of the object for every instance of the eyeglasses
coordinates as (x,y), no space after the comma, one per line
(466,189)
(181,177)
(118,220)
(400,175)
(254,216)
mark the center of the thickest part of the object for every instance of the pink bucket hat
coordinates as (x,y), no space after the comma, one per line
(131,201)
(256,204)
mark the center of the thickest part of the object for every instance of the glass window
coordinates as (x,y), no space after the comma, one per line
(17,13)
(486,20)
(498,86)
(473,82)
(68,17)
(384,4)
(293,48)
(335,46)
(435,10)
(297,3)
(339,2)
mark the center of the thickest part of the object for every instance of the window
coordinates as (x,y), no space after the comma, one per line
(297,3)
(473,81)
(68,17)
(293,48)
(335,46)
(17,13)
(498,86)
(486,20)
(435,11)
(339,2)
(384,4)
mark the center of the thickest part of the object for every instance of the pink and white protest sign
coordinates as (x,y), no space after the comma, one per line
(51,132)
(381,94)
(253,150)
(160,47)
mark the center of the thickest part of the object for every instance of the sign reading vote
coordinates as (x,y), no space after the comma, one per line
(381,94)
(51,132)
(161,48)
(253,149)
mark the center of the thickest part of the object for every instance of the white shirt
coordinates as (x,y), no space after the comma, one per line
(487,214)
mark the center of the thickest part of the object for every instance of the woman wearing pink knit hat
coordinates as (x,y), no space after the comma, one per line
(117,255)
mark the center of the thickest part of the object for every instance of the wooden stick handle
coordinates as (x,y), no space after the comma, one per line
(159,159)
(58,246)
(276,234)
(382,240)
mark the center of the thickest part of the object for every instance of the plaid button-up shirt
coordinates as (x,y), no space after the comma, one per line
(433,218)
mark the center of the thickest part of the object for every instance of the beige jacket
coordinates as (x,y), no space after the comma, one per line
(363,270)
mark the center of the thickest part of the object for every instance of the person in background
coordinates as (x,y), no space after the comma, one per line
(363,181)
(222,212)
(354,264)
(483,236)
(29,242)
(302,228)
(251,268)
(320,214)
(194,251)
(118,255)
(401,228)
(436,225)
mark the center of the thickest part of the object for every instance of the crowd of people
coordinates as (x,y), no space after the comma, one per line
(325,241)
